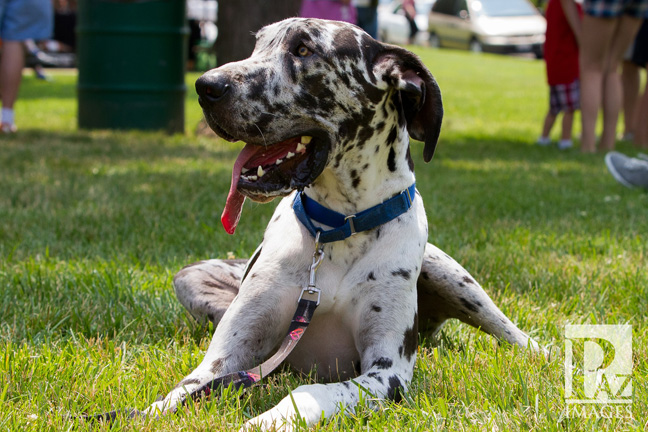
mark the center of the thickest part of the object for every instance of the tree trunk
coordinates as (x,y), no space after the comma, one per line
(239,19)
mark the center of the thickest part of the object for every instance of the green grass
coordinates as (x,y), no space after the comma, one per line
(93,225)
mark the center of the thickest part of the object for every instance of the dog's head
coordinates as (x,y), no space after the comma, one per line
(310,90)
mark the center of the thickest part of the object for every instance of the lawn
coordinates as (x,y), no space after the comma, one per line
(93,225)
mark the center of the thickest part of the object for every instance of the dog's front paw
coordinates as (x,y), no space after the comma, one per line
(270,420)
(301,406)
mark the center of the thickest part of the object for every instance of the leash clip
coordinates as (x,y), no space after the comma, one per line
(318,256)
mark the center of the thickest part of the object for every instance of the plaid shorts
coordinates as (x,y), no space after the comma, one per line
(564,97)
(616,8)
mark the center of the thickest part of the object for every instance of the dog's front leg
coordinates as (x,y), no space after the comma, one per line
(387,342)
(251,327)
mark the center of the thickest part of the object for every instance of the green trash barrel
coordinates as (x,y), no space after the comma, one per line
(131,57)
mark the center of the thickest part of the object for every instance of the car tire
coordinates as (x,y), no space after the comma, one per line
(434,41)
(475,46)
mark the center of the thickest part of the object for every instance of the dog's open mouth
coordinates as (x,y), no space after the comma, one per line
(263,172)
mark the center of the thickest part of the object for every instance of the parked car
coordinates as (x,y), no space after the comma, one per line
(501,26)
(393,26)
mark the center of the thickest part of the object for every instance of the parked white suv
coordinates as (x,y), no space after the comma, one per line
(501,26)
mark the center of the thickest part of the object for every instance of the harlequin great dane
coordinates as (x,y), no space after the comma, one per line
(326,113)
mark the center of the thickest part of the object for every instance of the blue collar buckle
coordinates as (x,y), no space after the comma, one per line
(308,210)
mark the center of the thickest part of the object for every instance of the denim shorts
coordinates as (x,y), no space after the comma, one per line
(616,8)
(26,19)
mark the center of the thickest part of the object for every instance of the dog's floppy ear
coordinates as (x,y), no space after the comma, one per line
(419,93)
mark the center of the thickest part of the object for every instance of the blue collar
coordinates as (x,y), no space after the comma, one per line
(308,210)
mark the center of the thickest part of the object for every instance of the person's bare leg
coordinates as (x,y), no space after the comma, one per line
(548,124)
(630,83)
(567,125)
(595,43)
(641,128)
(624,34)
(11,66)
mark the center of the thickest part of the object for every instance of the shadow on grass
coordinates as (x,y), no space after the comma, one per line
(134,196)
(106,218)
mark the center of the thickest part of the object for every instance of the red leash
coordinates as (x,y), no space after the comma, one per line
(243,379)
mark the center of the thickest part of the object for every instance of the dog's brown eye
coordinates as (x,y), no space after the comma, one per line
(303,51)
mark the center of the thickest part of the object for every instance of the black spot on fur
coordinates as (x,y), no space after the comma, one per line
(410,339)
(425,275)
(395,389)
(251,264)
(371,276)
(391,160)
(376,376)
(376,308)
(405,274)
(383,363)
(217,366)
(410,161)
(338,158)
(391,138)
(467,304)
(469,280)
(364,135)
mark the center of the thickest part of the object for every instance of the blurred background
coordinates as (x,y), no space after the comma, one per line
(505,26)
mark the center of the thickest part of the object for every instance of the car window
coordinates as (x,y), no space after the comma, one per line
(459,6)
(503,8)
(444,7)
(423,7)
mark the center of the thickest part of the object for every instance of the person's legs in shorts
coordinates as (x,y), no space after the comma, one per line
(19,20)
(604,41)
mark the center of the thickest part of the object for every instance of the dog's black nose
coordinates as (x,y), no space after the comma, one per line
(212,88)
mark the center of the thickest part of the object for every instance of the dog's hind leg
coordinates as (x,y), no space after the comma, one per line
(447,290)
(207,288)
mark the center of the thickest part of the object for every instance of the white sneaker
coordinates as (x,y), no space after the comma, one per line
(543,141)
(564,144)
(8,128)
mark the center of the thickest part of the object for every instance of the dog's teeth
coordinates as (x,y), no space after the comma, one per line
(289,155)
(305,140)
(252,178)
(260,171)
(244,170)
(278,161)
(300,148)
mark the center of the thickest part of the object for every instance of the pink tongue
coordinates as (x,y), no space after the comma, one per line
(234,205)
